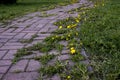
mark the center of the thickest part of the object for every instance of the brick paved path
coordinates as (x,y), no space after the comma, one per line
(24,28)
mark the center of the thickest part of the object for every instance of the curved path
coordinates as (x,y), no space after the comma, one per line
(24,28)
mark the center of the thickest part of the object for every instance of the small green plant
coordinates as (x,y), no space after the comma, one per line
(52,69)
(45,58)
(77,57)
(20,53)
(29,40)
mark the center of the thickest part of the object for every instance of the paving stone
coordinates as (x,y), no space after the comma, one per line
(1,76)
(10,30)
(51,17)
(10,54)
(20,35)
(13,44)
(10,47)
(22,76)
(29,31)
(43,35)
(28,35)
(8,34)
(3,69)
(52,21)
(63,57)
(65,43)
(19,66)
(5,62)
(13,40)
(41,25)
(33,65)
(2,29)
(83,52)
(55,52)
(44,21)
(2,53)
(39,38)
(3,40)
(1,44)
(45,29)
(65,51)
(5,37)
(18,30)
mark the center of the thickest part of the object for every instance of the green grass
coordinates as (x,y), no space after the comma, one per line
(100,35)
(27,6)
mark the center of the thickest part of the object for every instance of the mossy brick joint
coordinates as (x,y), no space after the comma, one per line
(7,1)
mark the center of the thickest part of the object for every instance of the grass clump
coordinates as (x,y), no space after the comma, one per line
(45,58)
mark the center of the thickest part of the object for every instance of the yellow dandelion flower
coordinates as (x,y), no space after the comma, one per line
(95,5)
(73,51)
(60,27)
(77,20)
(71,48)
(68,35)
(68,77)
(68,26)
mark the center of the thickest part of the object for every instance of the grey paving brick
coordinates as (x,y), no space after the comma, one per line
(10,47)
(29,31)
(5,62)
(18,30)
(8,34)
(22,76)
(6,37)
(33,66)
(1,75)
(13,44)
(3,40)
(65,51)
(13,40)
(9,30)
(63,57)
(1,44)
(65,43)
(10,54)
(43,35)
(55,52)
(3,69)
(19,66)
(28,35)
(2,29)
(20,35)
(2,53)
(39,38)
(45,29)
